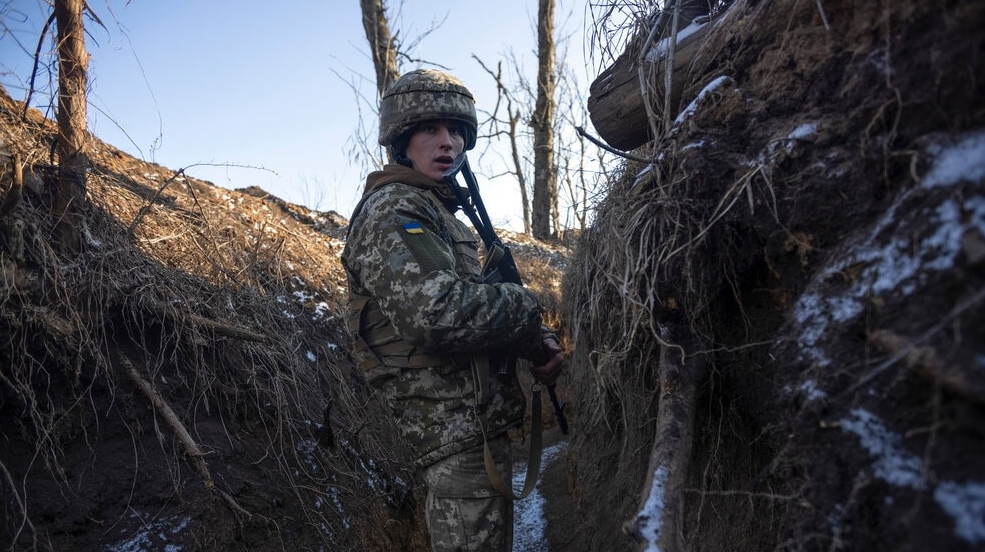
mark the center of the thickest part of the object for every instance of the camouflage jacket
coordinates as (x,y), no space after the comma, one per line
(419,315)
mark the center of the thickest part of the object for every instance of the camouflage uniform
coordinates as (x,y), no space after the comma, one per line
(419,318)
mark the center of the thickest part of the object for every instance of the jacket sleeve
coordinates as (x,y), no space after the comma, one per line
(399,255)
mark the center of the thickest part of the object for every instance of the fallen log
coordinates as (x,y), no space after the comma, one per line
(616,101)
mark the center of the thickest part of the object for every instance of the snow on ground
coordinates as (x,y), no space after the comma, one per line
(966,504)
(528,514)
(152,533)
(893,464)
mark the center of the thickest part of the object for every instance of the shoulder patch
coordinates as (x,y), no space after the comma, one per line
(413,228)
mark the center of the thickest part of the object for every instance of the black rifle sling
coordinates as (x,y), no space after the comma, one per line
(476,211)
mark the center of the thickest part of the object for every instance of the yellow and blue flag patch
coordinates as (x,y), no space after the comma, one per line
(413,228)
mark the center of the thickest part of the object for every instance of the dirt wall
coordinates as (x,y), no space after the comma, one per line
(805,252)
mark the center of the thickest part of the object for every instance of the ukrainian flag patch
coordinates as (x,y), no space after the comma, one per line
(413,228)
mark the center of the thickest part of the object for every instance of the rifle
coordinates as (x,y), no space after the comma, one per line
(499,265)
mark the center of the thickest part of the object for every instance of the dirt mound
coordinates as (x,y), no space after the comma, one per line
(168,386)
(778,322)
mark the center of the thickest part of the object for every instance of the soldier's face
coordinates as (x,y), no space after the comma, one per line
(434,145)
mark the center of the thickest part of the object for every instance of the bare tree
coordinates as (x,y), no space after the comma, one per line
(545,224)
(576,171)
(73,63)
(382,44)
(512,120)
(581,170)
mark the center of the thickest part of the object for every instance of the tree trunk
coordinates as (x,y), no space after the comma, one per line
(73,61)
(544,209)
(517,165)
(381,43)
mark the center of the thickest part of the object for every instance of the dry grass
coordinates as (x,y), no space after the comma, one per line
(206,322)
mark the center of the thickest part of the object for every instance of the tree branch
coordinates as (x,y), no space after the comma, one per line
(603,145)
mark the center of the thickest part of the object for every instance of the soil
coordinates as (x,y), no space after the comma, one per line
(790,363)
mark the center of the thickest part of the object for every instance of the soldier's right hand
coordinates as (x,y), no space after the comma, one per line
(548,372)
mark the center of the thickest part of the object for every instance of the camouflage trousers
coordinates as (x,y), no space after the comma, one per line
(463,511)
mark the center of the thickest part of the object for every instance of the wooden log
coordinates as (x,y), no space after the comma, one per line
(615,101)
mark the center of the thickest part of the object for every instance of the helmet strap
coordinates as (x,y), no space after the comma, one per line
(399,149)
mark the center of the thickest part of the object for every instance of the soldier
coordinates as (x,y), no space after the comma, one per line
(423,323)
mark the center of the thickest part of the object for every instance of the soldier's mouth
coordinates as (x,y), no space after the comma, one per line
(445,160)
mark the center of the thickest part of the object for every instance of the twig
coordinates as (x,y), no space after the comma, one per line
(824,18)
(660,522)
(641,76)
(899,355)
(146,207)
(226,329)
(233,504)
(37,57)
(608,148)
(669,71)
(926,362)
(191,448)
(162,406)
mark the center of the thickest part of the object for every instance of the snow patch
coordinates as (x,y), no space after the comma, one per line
(803,131)
(715,84)
(893,464)
(966,504)
(154,534)
(322,310)
(810,389)
(642,175)
(965,160)
(659,50)
(902,249)
(809,315)
(650,517)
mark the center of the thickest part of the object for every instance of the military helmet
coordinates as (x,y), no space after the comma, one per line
(423,95)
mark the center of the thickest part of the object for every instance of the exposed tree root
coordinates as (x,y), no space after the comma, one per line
(225,329)
(660,520)
(926,362)
(25,521)
(191,447)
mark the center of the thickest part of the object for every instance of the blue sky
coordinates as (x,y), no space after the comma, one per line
(187,82)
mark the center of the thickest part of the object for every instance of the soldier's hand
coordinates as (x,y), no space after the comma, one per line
(548,372)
